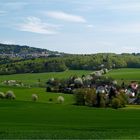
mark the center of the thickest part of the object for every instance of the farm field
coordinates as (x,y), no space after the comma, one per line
(23,119)
(25,94)
(127,74)
(32,78)
(44,119)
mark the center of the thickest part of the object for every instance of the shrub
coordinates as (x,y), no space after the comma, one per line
(105,71)
(60,99)
(90,97)
(102,100)
(114,82)
(48,89)
(116,103)
(123,99)
(79,96)
(98,73)
(87,80)
(2,95)
(34,97)
(10,95)
(78,82)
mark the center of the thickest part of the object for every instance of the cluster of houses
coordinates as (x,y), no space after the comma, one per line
(25,55)
(30,55)
(95,80)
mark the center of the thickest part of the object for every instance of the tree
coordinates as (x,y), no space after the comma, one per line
(116,103)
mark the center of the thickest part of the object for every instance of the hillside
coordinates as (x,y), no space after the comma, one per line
(24,59)
(24,51)
(72,62)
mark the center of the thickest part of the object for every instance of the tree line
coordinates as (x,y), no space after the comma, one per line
(73,62)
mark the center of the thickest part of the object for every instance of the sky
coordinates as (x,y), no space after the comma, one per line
(72,26)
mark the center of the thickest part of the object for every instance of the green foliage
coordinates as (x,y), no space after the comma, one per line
(123,99)
(120,101)
(55,66)
(17,49)
(73,62)
(90,97)
(116,103)
(79,97)
(102,100)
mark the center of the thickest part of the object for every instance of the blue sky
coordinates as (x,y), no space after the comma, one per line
(72,26)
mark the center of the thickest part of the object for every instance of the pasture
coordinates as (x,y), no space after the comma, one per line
(32,78)
(34,120)
(125,74)
(44,119)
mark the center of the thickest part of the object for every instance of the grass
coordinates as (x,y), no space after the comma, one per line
(32,78)
(125,74)
(28,120)
(25,94)
(24,119)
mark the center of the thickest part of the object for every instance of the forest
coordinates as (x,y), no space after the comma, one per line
(71,62)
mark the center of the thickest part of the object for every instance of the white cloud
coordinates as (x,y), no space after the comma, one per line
(65,16)
(35,25)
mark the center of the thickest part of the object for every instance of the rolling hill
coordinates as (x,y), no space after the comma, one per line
(19,51)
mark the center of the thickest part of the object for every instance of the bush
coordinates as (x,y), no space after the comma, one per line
(105,71)
(2,95)
(90,97)
(34,97)
(48,89)
(78,82)
(102,100)
(116,103)
(60,99)
(123,99)
(79,96)
(10,95)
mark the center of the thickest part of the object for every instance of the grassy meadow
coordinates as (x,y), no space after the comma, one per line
(125,74)
(32,78)
(34,120)
(44,119)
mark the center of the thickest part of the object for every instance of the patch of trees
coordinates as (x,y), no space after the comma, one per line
(73,62)
(93,98)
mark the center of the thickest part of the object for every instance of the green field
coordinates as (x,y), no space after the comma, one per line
(24,119)
(32,78)
(125,74)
